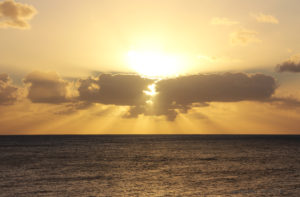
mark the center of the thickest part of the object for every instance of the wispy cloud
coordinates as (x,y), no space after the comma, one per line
(223,21)
(15,15)
(264,18)
(243,36)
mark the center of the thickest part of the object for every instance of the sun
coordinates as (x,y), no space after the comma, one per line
(151,90)
(154,64)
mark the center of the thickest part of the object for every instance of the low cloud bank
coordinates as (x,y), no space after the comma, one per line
(174,95)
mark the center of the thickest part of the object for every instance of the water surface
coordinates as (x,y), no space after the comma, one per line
(150,165)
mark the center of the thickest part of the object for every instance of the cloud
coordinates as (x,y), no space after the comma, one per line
(114,89)
(8,92)
(15,15)
(292,64)
(174,95)
(46,87)
(223,21)
(243,37)
(73,107)
(288,66)
(179,94)
(264,18)
(285,102)
(228,87)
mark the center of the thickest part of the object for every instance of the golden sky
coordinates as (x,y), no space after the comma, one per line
(162,67)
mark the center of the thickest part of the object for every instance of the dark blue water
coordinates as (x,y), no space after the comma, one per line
(151,165)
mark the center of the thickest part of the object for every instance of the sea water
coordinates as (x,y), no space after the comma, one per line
(150,165)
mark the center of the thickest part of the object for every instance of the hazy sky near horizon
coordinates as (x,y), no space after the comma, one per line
(171,66)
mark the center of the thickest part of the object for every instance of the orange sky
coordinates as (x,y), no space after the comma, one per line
(113,66)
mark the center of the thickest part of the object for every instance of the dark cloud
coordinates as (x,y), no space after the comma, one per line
(174,95)
(110,89)
(8,92)
(179,94)
(73,107)
(227,87)
(15,15)
(288,66)
(46,87)
(285,102)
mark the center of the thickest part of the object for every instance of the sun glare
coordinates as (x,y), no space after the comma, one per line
(154,63)
(151,90)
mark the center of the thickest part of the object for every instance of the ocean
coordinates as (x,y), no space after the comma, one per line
(150,165)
